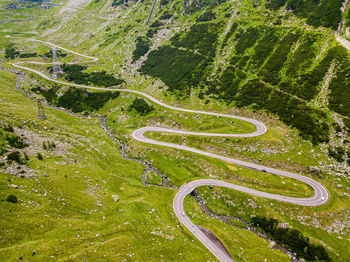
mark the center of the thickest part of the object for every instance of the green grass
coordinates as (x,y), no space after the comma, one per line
(97,157)
(242,244)
(51,214)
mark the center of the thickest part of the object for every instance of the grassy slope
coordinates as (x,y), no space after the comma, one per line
(182,167)
(60,224)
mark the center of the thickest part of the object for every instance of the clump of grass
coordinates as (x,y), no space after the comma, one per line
(12,199)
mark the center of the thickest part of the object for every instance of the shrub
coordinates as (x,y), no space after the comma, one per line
(39,156)
(75,74)
(206,16)
(335,155)
(141,106)
(27,55)
(142,47)
(8,128)
(294,239)
(15,141)
(15,156)
(11,199)
(11,52)
(79,100)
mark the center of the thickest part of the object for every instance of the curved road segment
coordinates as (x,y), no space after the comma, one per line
(321,195)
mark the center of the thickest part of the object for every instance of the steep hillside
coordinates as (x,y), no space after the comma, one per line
(88,197)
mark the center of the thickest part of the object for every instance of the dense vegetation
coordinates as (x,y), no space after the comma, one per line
(11,52)
(292,238)
(192,6)
(180,69)
(77,100)
(280,63)
(142,47)
(317,13)
(9,140)
(75,74)
(141,106)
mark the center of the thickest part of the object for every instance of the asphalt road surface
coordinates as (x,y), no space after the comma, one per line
(321,195)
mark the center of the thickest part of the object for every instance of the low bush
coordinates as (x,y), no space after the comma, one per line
(292,238)
(79,100)
(142,47)
(15,141)
(39,156)
(141,106)
(12,199)
(15,156)
(75,74)
(11,52)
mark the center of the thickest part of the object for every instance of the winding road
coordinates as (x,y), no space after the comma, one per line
(321,195)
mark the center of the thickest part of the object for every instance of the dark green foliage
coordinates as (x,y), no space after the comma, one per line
(310,122)
(39,156)
(49,94)
(228,83)
(12,199)
(195,6)
(26,158)
(8,128)
(337,127)
(15,156)
(75,74)
(270,73)
(303,55)
(318,13)
(347,123)
(180,69)
(166,15)
(206,16)
(79,100)
(141,106)
(156,23)
(230,33)
(11,52)
(201,37)
(269,225)
(292,238)
(275,4)
(27,55)
(339,97)
(9,139)
(308,84)
(174,67)
(119,2)
(164,2)
(15,141)
(264,47)
(246,39)
(347,17)
(48,145)
(102,78)
(336,155)
(142,47)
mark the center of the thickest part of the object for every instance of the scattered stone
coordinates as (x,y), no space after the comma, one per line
(115,198)
(314,170)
